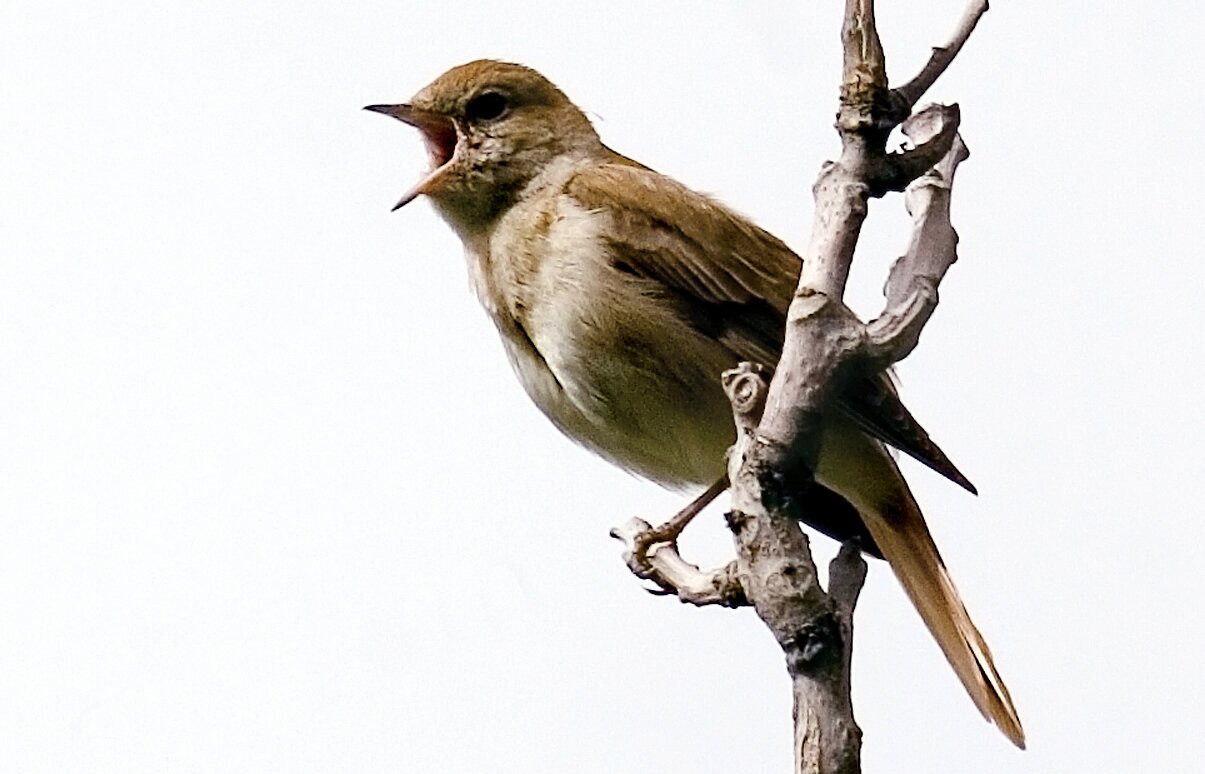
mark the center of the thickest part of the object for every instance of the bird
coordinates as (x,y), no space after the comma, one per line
(620,295)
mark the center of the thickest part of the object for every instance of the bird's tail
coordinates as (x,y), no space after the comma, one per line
(895,521)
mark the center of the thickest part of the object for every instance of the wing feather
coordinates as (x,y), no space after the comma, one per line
(735,281)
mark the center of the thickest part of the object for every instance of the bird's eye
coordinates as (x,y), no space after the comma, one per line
(487,106)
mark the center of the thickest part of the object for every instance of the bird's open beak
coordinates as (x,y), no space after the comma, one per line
(441,137)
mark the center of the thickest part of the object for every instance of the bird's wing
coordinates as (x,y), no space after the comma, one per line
(733,281)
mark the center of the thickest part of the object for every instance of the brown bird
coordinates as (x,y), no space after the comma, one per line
(621,295)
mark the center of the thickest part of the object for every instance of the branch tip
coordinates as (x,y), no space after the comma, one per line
(943,56)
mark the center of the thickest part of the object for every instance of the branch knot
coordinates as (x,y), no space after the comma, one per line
(815,646)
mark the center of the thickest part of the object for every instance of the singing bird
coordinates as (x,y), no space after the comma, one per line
(621,295)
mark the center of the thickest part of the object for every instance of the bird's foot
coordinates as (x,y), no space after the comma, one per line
(668,532)
(651,553)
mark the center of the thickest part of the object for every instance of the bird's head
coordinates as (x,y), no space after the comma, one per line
(490,128)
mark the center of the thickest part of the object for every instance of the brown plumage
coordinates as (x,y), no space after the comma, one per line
(621,295)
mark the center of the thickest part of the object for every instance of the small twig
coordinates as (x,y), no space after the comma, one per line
(846,575)
(941,57)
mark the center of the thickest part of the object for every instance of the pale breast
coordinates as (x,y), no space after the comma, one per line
(611,365)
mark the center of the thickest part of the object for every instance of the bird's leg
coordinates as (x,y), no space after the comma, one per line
(669,531)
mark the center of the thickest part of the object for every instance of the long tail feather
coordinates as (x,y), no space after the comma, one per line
(862,471)
(904,539)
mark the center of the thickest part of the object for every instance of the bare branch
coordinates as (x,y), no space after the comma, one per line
(911,287)
(846,575)
(864,71)
(779,424)
(776,569)
(911,92)
(825,347)
(928,148)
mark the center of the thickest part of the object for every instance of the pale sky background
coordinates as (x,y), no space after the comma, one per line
(271,500)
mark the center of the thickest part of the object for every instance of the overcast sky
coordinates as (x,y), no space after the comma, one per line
(271,500)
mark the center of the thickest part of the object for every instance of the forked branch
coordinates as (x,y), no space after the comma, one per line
(778,421)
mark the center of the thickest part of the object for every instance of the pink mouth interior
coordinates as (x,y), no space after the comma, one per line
(441,142)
